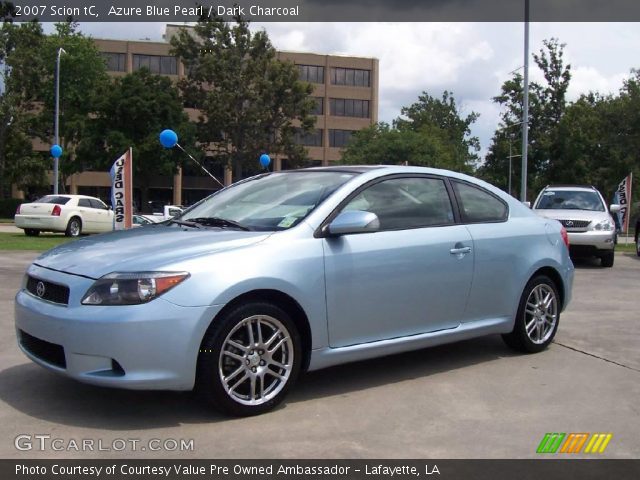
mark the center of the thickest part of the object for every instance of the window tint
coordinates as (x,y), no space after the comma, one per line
(95,203)
(570,200)
(477,205)
(351,77)
(311,73)
(406,203)
(115,62)
(53,199)
(84,202)
(156,63)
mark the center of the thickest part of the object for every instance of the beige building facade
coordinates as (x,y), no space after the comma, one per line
(345,90)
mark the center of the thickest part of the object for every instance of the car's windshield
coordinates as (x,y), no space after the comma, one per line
(53,199)
(570,200)
(275,201)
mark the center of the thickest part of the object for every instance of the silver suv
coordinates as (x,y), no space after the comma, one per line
(584,214)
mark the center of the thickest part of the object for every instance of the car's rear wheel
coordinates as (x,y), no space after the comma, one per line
(74,227)
(607,259)
(249,359)
(30,232)
(537,318)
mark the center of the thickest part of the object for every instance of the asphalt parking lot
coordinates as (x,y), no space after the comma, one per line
(474,399)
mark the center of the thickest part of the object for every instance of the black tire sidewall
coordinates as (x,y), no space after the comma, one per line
(69,232)
(519,330)
(208,381)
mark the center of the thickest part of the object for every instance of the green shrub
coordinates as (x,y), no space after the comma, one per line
(8,206)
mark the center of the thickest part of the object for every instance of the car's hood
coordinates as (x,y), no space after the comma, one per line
(568,214)
(142,249)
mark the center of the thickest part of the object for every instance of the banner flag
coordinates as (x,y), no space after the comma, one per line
(122,191)
(622,197)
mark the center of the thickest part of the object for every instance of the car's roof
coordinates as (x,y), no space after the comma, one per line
(70,195)
(341,168)
(581,188)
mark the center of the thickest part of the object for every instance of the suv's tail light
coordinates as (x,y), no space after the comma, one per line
(565,236)
(18,209)
(56,211)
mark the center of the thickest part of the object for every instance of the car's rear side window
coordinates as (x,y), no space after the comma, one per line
(478,205)
(97,204)
(84,202)
(53,199)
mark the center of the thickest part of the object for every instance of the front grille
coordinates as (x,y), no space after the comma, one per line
(575,223)
(48,291)
(45,351)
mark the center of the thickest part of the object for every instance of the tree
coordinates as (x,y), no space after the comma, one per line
(431,133)
(82,77)
(250,102)
(132,111)
(547,105)
(21,73)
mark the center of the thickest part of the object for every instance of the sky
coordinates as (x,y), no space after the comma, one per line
(472,60)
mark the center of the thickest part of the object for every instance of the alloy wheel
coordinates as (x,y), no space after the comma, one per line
(541,313)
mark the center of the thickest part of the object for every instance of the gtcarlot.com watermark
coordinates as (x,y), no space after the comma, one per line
(44,442)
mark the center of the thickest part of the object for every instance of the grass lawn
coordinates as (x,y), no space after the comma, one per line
(6,220)
(630,247)
(19,241)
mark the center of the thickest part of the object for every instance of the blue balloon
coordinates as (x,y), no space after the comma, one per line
(168,138)
(56,151)
(265,160)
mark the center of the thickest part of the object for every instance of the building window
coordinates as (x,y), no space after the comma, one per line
(310,139)
(160,64)
(311,73)
(318,108)
(339,138)
(349,107)
(350,77)
(116,62)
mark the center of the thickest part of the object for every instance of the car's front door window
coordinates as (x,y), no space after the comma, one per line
(406,202)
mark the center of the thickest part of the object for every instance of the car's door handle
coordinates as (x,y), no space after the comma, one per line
(460,251)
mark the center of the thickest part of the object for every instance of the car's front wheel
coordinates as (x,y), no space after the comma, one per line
(607,259)
(537,318)
(249,358)
(74,227)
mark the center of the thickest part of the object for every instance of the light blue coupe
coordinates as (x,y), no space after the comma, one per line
(293,271)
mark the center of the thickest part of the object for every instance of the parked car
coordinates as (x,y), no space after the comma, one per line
(71,214)
(140,220)
(292,271)
(583,212)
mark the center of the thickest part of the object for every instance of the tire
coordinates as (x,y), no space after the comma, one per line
(607,259)
(30,232)
(74,227)
(249,359)
(535,324)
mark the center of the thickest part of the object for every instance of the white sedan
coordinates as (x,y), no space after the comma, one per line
(71,214)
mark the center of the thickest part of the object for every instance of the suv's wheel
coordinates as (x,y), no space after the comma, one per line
(249,359)
(607,259)
(30,232)
(74,227)
(537,318)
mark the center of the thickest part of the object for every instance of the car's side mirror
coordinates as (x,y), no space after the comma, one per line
(615,208)
(352,221)
(527,204)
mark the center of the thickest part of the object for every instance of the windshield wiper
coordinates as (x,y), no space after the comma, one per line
(219,222)
(183,223)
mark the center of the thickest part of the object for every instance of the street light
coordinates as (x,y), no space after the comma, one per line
(525,105)
(56,139)
(511,156)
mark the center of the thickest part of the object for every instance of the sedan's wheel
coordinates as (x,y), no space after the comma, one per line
(538,316)
(607,259)
(30,232)
(74,227)
(249,359)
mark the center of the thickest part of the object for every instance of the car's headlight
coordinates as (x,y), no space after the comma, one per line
(131,288)
(605,226)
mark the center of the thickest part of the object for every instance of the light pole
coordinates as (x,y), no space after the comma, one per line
(511,156)
(56,137)
(525,105)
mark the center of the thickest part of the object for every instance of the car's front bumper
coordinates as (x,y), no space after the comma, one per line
(149,346)
(598,240)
